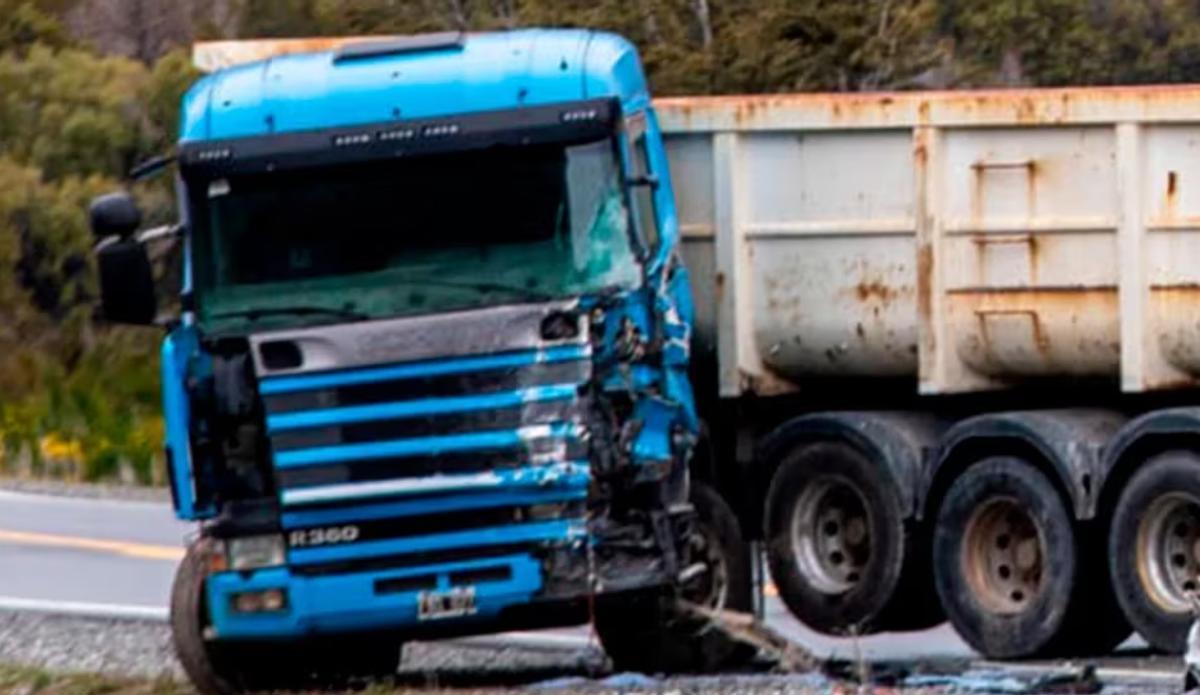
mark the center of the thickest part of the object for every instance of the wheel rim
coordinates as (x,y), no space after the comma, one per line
(711,590)
(831,535)
(1003,552)
(1168,551)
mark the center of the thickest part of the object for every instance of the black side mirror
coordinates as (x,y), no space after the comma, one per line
(114,214)
(126,283)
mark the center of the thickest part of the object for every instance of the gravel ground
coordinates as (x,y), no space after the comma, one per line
(143,650)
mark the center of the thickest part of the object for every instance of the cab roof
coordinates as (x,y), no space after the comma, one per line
(347,86)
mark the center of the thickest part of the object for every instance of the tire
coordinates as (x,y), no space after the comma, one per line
(1007,562)
(644,632)
(225,668)
(1156,524)
(838,547)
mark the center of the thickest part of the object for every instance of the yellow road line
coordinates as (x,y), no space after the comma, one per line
(139,550)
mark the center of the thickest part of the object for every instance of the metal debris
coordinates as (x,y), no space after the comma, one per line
(747,629)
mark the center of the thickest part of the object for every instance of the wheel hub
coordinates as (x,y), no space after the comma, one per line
(712,586)
(831,535)
(1003,553)
(1168,551)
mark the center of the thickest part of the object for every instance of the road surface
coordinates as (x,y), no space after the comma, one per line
(119,556)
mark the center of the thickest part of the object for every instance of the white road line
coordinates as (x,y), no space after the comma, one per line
(84,609)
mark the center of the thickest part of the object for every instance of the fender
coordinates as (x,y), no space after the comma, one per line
(1149,434)
(899,443)
(1065,444)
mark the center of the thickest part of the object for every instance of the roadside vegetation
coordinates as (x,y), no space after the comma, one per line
(34,681)
(88,88)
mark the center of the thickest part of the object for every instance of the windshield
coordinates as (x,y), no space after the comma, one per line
(420,235)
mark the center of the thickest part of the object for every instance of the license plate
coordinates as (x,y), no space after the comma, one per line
(452,603)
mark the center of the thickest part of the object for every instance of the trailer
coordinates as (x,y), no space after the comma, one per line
(949,343)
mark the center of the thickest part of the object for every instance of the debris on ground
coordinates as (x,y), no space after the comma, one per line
(788,656)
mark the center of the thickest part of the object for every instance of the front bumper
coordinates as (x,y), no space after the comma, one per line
(379,600)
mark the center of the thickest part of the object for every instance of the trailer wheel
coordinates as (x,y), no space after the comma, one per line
(645,632)
(836,540)
(217,668)
(1154,548)
(1005,560)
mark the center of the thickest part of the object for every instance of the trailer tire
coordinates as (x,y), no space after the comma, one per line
(1006,561)
(837,541)
(644,631)
(1154,544)
(217,668)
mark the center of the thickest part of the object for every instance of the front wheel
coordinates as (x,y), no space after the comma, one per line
(225,668)
(646,632)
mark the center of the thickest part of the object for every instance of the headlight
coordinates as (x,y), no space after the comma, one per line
(253,552)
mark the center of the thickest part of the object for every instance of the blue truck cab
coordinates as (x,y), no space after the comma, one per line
(429,376)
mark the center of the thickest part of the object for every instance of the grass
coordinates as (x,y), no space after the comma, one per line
(27,680)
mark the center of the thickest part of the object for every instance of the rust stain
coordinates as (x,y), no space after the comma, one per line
(1031,178)
(925,281)
(875,289)
(1052,316)
(1040,340)
(766,383)
(1025,106)
(1172,206)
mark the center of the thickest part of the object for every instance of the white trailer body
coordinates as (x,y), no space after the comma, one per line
(972,240)
(1039,249)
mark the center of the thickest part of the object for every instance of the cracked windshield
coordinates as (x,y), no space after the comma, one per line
(437,233)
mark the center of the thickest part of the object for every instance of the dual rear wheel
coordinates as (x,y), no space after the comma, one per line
(1003,560)
(1017,575)
(1154,548)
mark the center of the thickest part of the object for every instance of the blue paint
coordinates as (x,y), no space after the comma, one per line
(495,71)
(561,475)
(178,349)
(562,531)
(419,408)
(340,602)
(299,518)
(462,365)
(423,446)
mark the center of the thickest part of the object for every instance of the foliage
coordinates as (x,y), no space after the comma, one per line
(90,87)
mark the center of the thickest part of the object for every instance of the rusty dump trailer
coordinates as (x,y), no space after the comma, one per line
(950,344)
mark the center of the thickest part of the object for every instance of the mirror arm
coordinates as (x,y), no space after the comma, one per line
(166,231)
(643,180)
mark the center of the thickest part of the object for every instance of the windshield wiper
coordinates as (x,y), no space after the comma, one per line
(255,314)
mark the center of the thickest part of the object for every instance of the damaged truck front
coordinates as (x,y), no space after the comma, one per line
(429,376)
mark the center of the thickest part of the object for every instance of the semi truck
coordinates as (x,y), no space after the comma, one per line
(473,334)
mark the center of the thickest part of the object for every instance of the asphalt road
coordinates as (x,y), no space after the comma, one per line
(111,554)
(86,556)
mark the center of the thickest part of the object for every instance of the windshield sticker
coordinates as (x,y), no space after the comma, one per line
(218,188)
